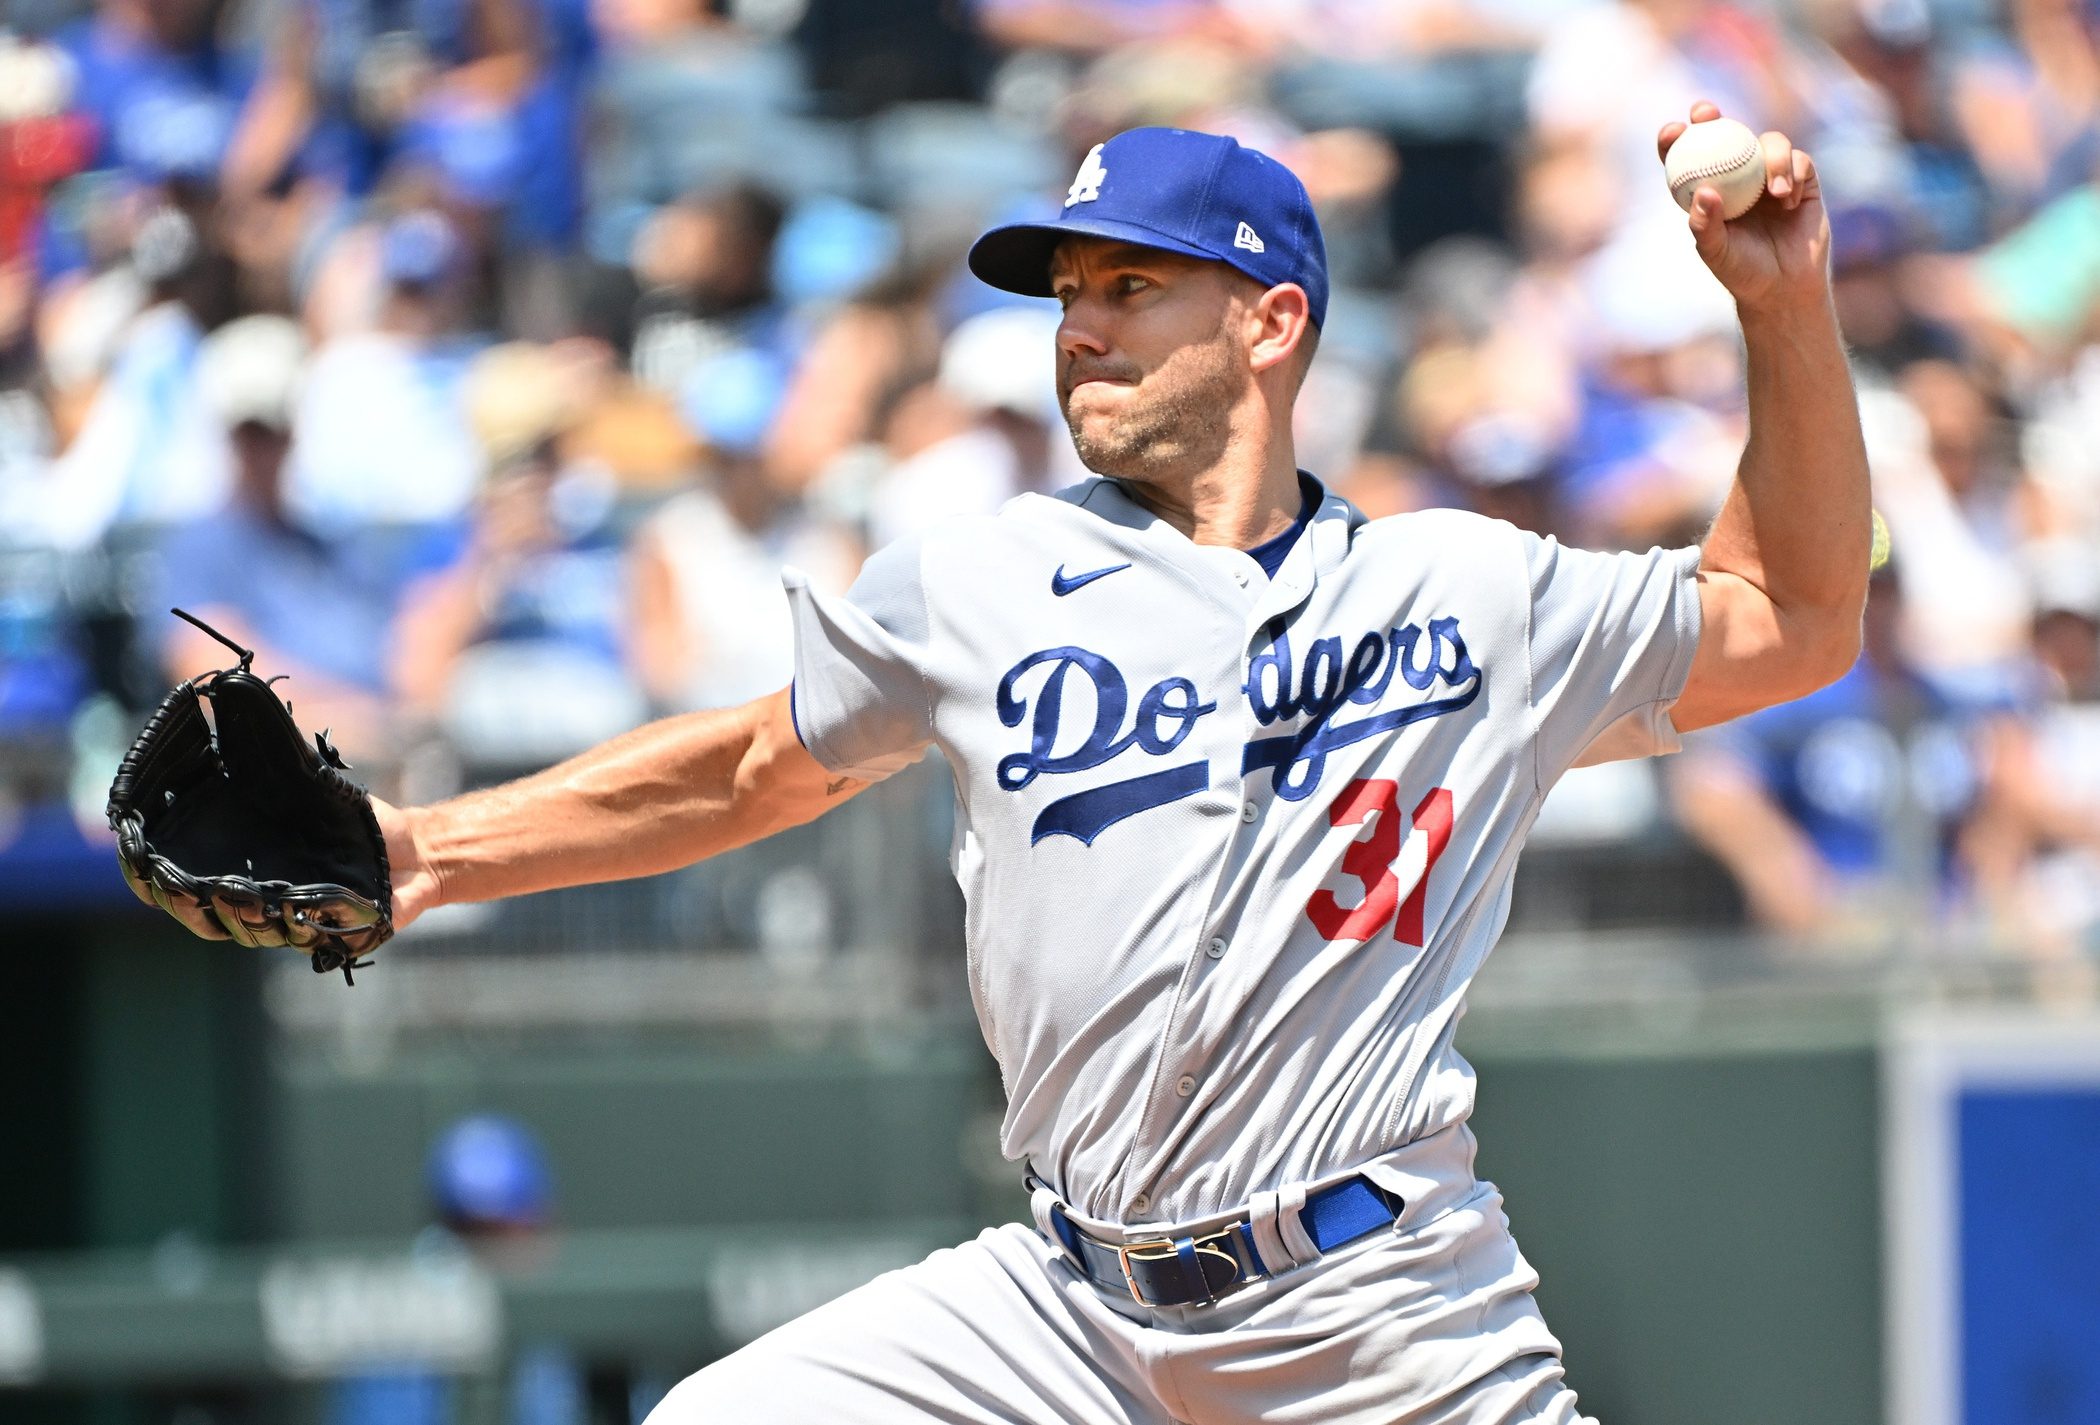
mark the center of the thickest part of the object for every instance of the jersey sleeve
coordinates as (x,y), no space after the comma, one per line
(862,700)
(1611,642)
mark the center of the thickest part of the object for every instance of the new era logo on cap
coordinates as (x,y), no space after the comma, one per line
(1201,195)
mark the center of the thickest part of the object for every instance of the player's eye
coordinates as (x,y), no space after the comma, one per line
(1130,283)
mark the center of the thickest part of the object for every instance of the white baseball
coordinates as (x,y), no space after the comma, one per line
(1720,153)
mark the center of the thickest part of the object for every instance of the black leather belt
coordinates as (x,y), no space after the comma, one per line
(1180,1271)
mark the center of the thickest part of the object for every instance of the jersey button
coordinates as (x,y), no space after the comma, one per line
(1216,948)
(1186,1085)
(1247,812)
(1140,1203)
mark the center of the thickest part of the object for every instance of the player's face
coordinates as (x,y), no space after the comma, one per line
(1150,362)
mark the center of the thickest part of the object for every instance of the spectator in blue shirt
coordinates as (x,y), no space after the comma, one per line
(1822,807)
(316,609)
(162,90)
(485,94)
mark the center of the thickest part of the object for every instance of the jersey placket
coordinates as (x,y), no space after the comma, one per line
(1186,1063)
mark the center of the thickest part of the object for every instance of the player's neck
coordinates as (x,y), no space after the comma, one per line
(1237,503)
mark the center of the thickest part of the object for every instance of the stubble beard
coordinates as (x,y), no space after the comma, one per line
(1176,432)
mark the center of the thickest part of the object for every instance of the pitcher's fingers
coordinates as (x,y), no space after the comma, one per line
(1709,229)
(1806,182)
(248,922)
(140,886)
(1701,111)
(1779,165)
(1667,136)
(194,918)
(236,925)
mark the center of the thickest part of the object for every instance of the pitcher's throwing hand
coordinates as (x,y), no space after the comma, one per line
(1777,253)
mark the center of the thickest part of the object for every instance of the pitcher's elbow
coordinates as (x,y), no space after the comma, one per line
(1836,649)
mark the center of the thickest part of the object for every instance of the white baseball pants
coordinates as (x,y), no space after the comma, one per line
(1430,1322)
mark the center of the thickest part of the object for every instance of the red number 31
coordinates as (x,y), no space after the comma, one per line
(1370,859)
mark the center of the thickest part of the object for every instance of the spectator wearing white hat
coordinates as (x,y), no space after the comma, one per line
(311,607)
(1661,425)
(983,431)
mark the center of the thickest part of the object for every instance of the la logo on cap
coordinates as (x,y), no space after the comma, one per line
(1249,239)
(1087,186)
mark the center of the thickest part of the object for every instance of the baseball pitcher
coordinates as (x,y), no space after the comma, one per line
(1241,778)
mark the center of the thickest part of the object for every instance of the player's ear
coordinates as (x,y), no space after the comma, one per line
(1281,321)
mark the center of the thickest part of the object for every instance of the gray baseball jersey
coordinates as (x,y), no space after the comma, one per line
(1233,847)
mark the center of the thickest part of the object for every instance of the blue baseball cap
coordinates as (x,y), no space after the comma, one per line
(490,1169)
(419,248)
(1201,195)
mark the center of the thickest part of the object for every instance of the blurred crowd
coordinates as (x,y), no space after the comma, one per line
(481,362)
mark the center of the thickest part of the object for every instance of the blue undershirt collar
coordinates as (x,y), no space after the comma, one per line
(1271,553)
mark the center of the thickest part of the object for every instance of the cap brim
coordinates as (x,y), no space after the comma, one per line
(1016,257)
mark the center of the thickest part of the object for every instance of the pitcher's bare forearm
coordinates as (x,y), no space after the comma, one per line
(662,796)
(1797,522)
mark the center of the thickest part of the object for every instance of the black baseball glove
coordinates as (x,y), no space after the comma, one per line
(246,822)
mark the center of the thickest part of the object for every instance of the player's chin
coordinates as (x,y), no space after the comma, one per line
(1117,458)
(1087,425)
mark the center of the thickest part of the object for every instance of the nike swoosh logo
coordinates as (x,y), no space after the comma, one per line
(1061,586)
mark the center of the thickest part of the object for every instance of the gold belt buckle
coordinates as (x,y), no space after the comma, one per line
(1158,1249)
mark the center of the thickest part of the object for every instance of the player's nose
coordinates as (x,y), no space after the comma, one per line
(1081,332)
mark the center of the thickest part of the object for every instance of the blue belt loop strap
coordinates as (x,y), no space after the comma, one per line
(1345,1213)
